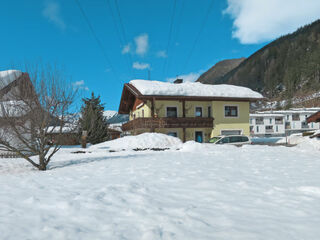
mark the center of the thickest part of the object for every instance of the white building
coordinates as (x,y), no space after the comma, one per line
(294,121)
(262,124)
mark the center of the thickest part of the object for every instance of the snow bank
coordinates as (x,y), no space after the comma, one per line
(249,192)
(302,142)
(142,141)
(6,77)
(193,89)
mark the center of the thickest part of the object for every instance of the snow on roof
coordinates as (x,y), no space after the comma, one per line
(266,115)
(13,108)
(109,113)
(8,76)
(301,111)
(193,89)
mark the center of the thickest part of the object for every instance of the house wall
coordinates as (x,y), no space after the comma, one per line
(221,122)
(278,129)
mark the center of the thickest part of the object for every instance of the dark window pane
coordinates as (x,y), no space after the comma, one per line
(231,111)
(198,111)
(172,112)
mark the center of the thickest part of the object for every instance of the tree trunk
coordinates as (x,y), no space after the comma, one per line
(42,165)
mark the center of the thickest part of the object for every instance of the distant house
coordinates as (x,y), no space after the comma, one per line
(283,122)
(190,111)
(15,87)
(314,118)
(267,124)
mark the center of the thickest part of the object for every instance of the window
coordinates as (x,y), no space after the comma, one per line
(312,124)
(257,129)
(172,112)
(277,129)
(230,132)
(250,120)
(172,134)
(134,116)
(295,117)
(198,112)
(287,117)
(279,120)
(209,112)
(259,120)
(270,120)
(143,113)
(269,129)
(244,139)
(235,139)
(231,111)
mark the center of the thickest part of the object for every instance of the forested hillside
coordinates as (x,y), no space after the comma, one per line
(285,68)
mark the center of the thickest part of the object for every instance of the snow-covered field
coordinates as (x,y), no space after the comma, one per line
(196,192)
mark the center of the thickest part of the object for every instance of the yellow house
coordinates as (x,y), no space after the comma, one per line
(190,111)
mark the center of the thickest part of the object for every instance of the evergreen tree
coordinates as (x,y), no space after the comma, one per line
(93,121)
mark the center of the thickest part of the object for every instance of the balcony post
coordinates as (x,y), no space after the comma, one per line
(183,108)
(184,134)
(152,107)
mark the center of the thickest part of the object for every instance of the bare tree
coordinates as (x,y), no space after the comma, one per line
(33,105)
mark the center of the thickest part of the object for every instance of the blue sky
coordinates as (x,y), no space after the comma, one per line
(55,31)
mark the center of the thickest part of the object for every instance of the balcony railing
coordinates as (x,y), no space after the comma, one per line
(269,130)
(279,122)
(188,122)
(259,122)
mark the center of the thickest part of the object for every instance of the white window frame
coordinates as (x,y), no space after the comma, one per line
(175,107)
(231,105)
(241,130)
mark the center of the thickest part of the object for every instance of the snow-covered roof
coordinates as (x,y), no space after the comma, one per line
(67,128)
(109,114)
(299,111)
(266,115)
(8,76)
(195,89)
(13,108)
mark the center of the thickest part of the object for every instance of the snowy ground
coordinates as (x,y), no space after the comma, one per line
(197,192)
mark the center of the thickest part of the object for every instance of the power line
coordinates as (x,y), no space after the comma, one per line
(96,38)
(176,34)
(123,29)
(198,36)
(122,41)
(170,33)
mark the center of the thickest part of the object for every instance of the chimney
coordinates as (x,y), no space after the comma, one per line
(178,80)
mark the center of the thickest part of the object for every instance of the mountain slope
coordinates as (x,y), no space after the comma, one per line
(219,70)
(284,68)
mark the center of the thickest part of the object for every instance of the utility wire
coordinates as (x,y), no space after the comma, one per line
(198,36)
(121,40)
(176,35)
(123,30)
(96,38)
(170,33)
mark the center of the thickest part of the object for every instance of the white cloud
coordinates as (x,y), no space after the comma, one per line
(126,49)
(51,11)
(190,77)
(141,66)
(162,54)
(80,85)
(256,21)
(142,44)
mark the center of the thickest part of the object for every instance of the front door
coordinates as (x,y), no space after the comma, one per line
(199,137)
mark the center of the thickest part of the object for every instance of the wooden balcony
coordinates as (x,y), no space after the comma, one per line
(187,122)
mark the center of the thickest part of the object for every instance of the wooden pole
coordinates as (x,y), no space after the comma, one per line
(84,139)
